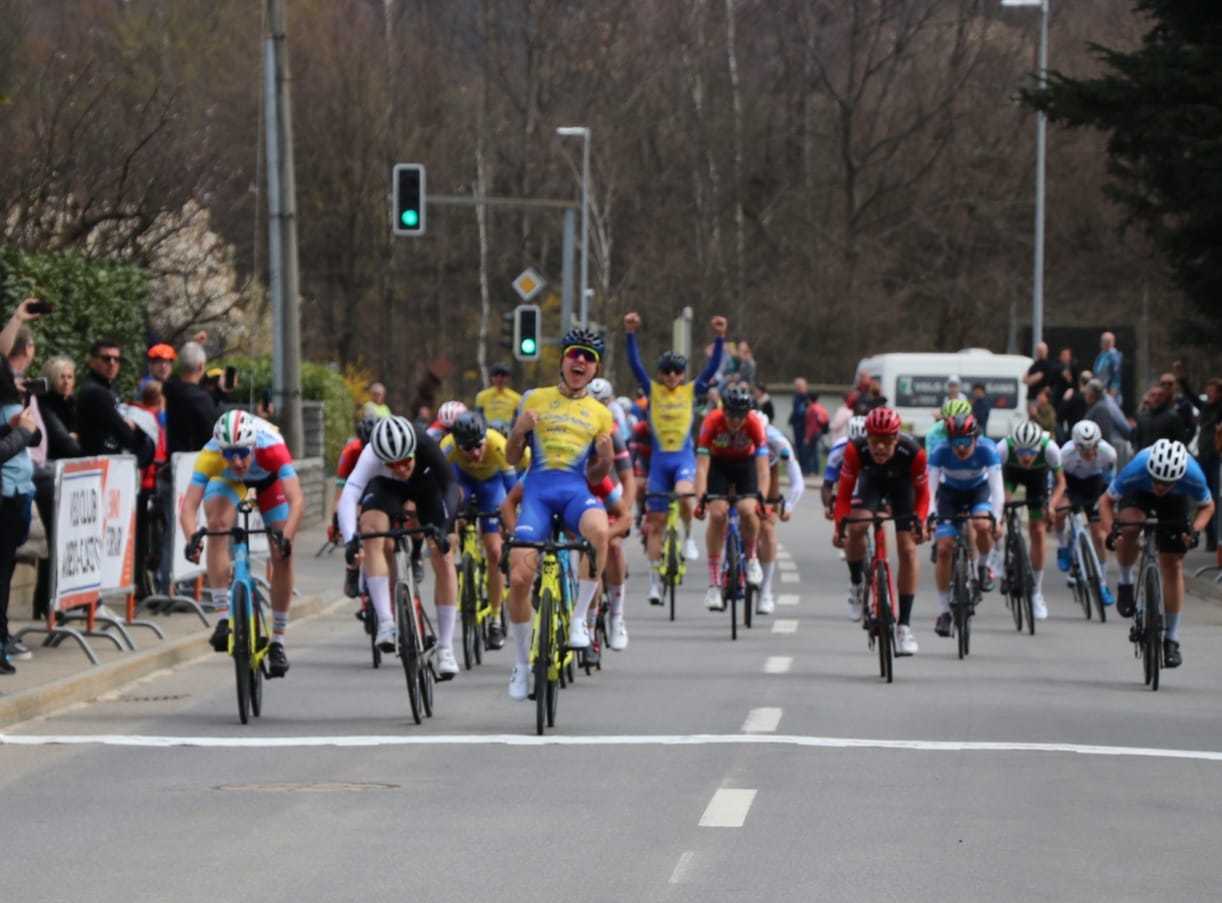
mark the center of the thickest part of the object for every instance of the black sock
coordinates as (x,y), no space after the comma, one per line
(855,571)
(906,600)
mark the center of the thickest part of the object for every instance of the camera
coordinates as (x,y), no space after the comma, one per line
(39,386)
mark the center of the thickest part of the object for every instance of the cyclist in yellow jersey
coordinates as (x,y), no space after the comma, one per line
(570,440)
(672,463)
(498,403)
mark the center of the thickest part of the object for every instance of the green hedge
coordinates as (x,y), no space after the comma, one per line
(93,299)
(319,382)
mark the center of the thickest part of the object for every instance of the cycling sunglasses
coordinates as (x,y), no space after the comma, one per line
(671,369)
(471,446)
(581,352)
(962,441)
(235,454)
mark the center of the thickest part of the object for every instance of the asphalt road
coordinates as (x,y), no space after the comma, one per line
(776,767)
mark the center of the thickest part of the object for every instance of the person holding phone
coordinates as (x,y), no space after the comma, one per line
(18,432)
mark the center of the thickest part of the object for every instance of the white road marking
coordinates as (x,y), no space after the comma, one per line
(778,664)
(728,808)
(783,554)
(789,577)
(786,565)
(762,721)
(785,625)
(787,599)
(163,742)
(683,868)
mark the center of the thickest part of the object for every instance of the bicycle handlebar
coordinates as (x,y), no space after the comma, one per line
(550,545)
(669,496)
(717,497)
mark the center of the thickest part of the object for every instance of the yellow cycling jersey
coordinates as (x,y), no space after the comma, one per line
(491,464)
(670,414)
(498,405)
(567,428)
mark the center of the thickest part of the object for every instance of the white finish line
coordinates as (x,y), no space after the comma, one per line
(1202,755)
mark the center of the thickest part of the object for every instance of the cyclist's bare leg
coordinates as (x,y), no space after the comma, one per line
(492,553)
(1171,564)
(983,527)
(946,547)
(523,563)
(1036,532)
(281,584)
(219,514)
(596,530)
(1128,546)
(685,506)
(910,567)
(655,527)
(445,593)
(750,523)
(715,535)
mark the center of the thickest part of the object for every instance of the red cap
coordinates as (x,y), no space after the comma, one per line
(162,352)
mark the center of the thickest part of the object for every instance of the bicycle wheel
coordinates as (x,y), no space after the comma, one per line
(543,657)
(467,595)
(239,625)
(1013,596)
(428,677)
(260,643)
(1095,580)
(409,648)
(1152,584)
(729,586)
(961,601)
(672,567)
(748,604)
(371,628)
(1082,585)
(886,635)
(1026,583)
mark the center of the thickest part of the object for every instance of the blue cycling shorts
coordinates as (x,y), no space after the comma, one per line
(951,501)
(488,495)
(667,469)
(553,493)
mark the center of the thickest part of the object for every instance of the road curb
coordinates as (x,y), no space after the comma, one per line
(1204,588)
(101,679)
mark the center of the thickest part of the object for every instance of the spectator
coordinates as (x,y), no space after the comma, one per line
(59,409)
(376,406)
(1158,420)
(1175,384)
(797,419)
(817,421)
(729,374)
(216,384)
(1043,411)
(20,357)
(861,388)
(103,430)
(1103,410)
(746,372)
(871,399)
(1209,447)
(1071,406)
(424,417)
(190,411)
(982,406)
(152,401)
(161,359)
(18,432)
(954,390)
(1064,379)
(839,426)
(763,401)
(1107,366)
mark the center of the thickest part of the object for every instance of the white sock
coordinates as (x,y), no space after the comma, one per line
(617,601)
(220,599)
(520,634)
(379,595)
(655,579)
(1039,581)
(446,615)
(769,567)
(995,558)
(1126,574)
(585,595)
(944,600)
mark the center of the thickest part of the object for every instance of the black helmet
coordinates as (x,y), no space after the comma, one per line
(580,337)
(499,370)
(468,430)
(364,426)
(672,361)
(737,399)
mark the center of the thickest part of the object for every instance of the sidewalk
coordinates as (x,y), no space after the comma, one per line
(61,676)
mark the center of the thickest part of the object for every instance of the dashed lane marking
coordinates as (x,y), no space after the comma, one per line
(787,599)
(778,664)
(683,868)
(786,565)
(785,625)
(762,721)
(790,577)
(728,808)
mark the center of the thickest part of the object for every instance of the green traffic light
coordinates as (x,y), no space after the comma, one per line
(410,218)
(528,346)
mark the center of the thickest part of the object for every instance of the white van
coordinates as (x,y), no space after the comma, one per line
(915,384)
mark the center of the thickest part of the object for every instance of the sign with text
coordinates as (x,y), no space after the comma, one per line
(77,553)
(119,494)
(930,391)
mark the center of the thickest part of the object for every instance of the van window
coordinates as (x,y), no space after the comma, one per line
(929,391)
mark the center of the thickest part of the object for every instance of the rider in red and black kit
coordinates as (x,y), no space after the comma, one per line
(886,469)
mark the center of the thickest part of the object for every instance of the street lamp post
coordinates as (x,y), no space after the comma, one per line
(583,132)
(1041,127)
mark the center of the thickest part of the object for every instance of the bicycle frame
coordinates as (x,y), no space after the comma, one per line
(1087,570)
(880,620)
(673,565)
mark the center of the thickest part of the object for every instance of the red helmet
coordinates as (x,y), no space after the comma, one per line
(961,425)
(882,422)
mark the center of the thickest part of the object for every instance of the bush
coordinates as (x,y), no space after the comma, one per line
(93,299)
(319,382)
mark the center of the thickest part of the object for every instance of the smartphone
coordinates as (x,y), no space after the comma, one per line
(40,386)
(41,307)
(231,378)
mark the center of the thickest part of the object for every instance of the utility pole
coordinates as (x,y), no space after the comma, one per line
(286,303)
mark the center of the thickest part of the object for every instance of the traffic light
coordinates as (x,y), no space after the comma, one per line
(409,195)
(526,339)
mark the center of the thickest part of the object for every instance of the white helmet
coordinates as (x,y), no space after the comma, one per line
(393,439)
(857,428)
(1086,434)
(764,417)
(1026,434)
(451,411)
(235,429)
(601,389)
(1168,461)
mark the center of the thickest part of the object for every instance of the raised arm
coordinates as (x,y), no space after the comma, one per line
(719,343)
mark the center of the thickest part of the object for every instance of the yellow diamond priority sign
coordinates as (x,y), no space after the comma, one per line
(528,284)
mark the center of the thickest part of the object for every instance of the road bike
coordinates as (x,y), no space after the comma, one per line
(416,643)
(248,635)
(882,612)
(734,585)
(1085,572)
(473,580)
(1018,580)
(673,566)
(964,585)
(551,598)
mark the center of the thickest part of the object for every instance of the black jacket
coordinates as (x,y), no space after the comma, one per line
(59,417)
(190,415)
(103,430)
(1160,423)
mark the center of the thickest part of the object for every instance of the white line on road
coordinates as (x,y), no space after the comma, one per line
(789,577)
(787,599)
(599,740)
(762,721)
(778,664)
(785,625)
(683,868)
(783,554)
(728,808)
(786,564)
